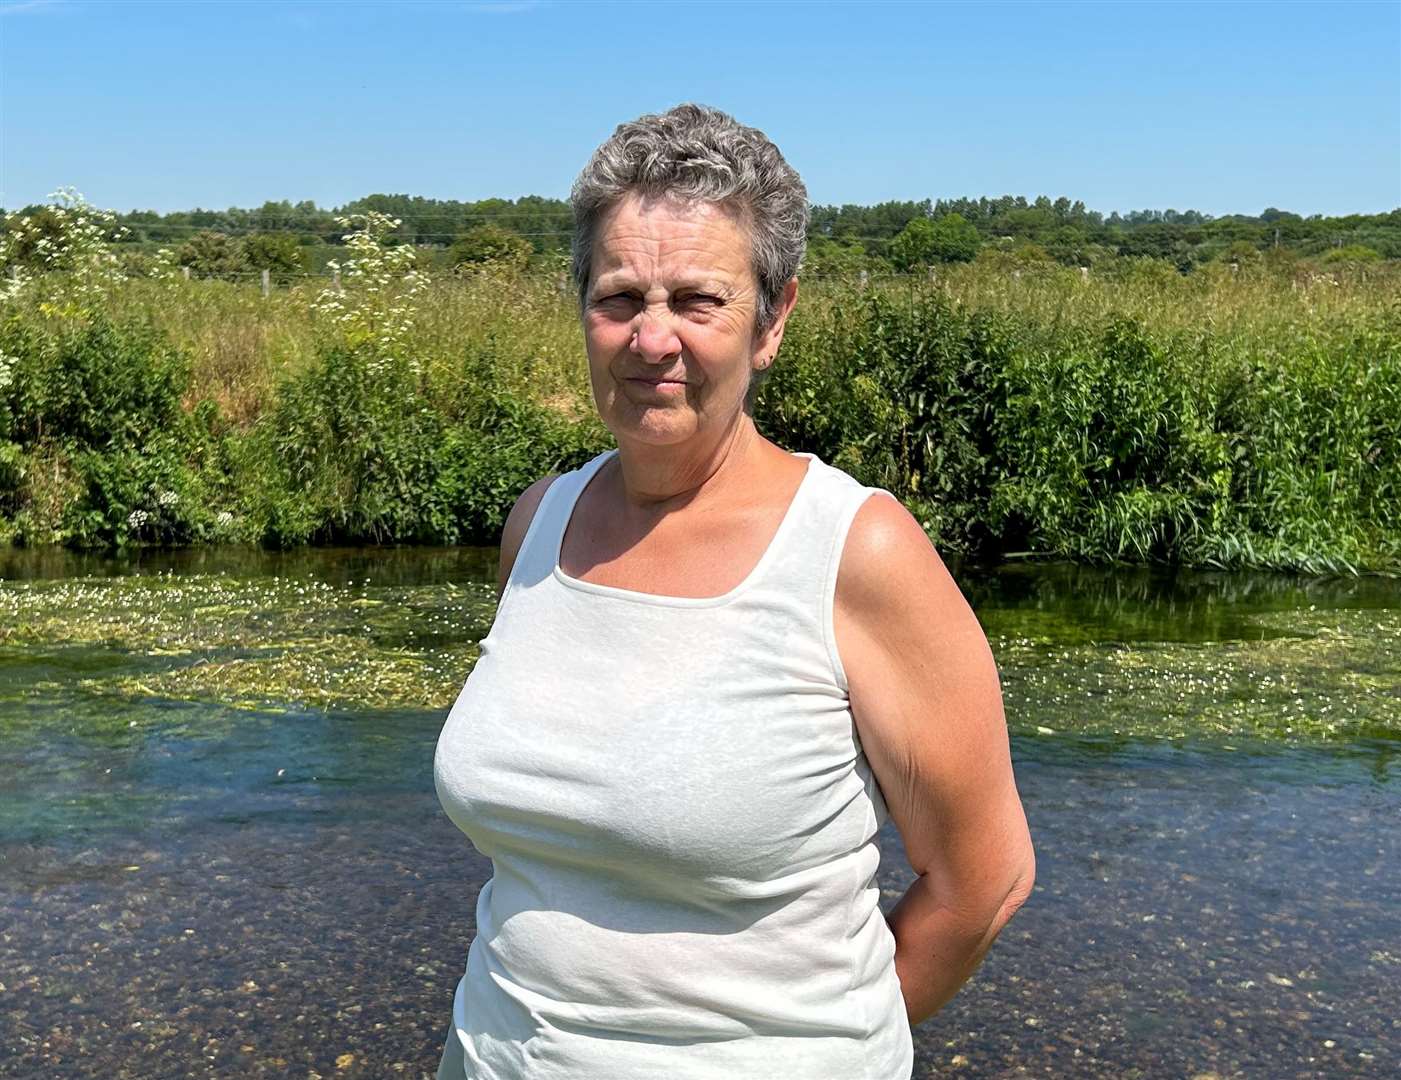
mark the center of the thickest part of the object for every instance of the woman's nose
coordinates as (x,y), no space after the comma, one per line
(654,339)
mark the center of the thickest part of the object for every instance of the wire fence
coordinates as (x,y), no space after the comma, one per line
(564,281)
(410,235)
(269,282)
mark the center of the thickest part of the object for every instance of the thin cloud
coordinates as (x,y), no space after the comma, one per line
(28,7)
(502,7)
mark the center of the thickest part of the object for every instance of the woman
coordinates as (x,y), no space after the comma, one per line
(716,668)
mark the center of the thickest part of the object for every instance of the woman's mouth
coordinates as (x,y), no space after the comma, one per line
(664,385)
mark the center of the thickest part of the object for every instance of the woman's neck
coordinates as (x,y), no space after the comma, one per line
(655,480)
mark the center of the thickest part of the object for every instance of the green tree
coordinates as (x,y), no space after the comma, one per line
(923,242)
(213,254)
(277,252)
(490,244)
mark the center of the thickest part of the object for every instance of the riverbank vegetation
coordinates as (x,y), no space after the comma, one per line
(1247,413)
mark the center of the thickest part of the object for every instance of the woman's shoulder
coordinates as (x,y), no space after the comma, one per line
(523,513)
(922,677)
(518,524)
(890,573)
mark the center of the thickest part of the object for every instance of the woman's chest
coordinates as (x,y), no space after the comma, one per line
(711,745)
(694,558)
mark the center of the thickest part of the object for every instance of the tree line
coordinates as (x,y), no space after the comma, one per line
(902,236)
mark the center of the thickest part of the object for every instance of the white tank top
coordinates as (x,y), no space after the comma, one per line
(681,821)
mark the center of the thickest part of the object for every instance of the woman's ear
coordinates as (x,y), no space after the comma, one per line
(767,345)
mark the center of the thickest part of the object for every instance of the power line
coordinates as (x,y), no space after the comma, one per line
(852,276)
(412,233)
(235,230)
(328,213)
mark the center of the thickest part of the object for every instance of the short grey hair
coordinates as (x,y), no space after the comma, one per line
(694,153)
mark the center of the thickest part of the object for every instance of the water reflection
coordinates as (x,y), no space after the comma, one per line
(1154,604)
(379,566)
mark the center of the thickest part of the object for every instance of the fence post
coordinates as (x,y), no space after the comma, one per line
(1084,273)
(186,271)
(336,280)
(864,279)
(933,277)
(266,284)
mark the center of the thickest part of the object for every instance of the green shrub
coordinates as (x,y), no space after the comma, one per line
(486,464)
(490,244)
(1104,438)
(92,381)
(352,452)
(11,475)
(347,441)
(150,495)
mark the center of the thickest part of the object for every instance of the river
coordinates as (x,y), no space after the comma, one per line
(221,853)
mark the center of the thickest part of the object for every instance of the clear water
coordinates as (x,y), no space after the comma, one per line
(221,853)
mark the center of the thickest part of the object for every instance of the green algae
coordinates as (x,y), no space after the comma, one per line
(1308,676)
(256,642)
(1069,666)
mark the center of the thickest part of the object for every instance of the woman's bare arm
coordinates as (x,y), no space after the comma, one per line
(927,703)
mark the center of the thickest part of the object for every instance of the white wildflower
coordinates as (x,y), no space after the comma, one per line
(375,303)
(78,262)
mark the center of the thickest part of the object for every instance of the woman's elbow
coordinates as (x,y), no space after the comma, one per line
(1023,881)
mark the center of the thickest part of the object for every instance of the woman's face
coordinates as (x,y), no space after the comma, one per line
(669,321)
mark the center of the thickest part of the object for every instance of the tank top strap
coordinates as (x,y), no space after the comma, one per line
(805,570)
(539,548)
(804,556)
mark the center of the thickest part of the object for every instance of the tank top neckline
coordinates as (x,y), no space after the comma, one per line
(785,526)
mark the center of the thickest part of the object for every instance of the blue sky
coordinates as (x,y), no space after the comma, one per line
(1222,108)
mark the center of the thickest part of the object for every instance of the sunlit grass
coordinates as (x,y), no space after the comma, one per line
(241,342)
